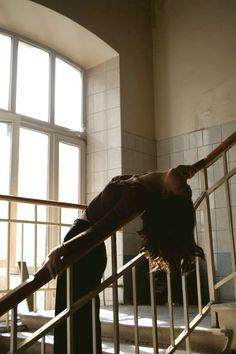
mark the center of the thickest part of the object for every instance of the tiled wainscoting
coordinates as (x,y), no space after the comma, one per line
(103,130)
(187,149)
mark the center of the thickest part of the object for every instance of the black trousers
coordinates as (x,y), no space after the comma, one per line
(87,274)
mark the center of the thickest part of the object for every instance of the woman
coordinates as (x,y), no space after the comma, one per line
(164,200)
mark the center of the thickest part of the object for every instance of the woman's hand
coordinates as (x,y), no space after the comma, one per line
(186,171)
(53,260)
(175,181)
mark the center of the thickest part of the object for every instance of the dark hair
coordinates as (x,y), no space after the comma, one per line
(168,233)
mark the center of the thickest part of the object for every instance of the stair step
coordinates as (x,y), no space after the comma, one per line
(202,339)
(107,346)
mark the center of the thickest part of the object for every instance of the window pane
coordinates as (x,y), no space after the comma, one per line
(5,60)
(68,179)
(68,96)
(32,82)
(33,164)
(5,156)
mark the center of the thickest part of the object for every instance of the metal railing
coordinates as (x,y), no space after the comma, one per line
(203,209)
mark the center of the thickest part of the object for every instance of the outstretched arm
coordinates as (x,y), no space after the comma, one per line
(131,204)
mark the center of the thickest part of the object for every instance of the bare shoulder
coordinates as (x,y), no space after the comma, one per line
(152,180)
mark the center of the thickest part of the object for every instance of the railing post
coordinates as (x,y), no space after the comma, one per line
(154,310)
(13,340)
(208,242)
(230,220)
(94,318)
(186,312)
(69,302)
(115,295)
(135,306)
(170,306)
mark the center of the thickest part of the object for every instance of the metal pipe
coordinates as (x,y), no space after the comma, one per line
(115,295)
(135,307)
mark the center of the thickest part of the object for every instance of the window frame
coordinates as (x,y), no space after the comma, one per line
(49,127)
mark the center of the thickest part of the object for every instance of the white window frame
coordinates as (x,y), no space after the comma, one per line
(56,133)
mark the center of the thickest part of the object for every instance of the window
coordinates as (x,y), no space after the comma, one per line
(41,124)
(5,62)
(32,92)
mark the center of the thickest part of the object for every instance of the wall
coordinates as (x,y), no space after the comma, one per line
(194,64)
(112,151)
(102,89)
(187,149)
(126,27)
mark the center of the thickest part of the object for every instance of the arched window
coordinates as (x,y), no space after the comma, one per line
(41,122)
(42,148)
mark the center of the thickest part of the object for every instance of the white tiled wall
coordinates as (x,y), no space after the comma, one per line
(138,156)
(103,138)
(103,125)
(112,151)
(187,149)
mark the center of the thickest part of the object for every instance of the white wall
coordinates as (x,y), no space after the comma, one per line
(194,63)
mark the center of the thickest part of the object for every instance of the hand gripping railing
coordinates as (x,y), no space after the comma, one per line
(10,300)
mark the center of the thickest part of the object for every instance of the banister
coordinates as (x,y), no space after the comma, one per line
(54,203)
(211,157)
(42,276)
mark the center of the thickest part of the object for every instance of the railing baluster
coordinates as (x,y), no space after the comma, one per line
(230,220)
(94,318)
(22,252)
(8,258)
(154,310)
(135,306)
(115,295)
(13,340)
(35,250)
(43,346)
(186,313)
(208,242)
(69,302)
(170,307)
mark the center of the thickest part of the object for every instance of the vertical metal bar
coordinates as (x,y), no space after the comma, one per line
(170,307)
(8,258)
(35,250)
(198,280)
(115,295)
(43,346)
(230,219)
(94,315)
(186,313)
(135,306)
(69,302)
(22,253)
(13,340)
(154,310)
(208,243)
(198,277)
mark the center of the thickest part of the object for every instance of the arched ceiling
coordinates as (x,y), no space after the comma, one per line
(55,31)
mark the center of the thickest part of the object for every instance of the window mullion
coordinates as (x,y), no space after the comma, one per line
(14,158)
(52,90)
(14,53)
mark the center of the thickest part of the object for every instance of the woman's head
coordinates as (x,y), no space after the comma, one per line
(168,233)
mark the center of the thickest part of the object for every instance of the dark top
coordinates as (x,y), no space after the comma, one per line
(131,195)
(121,201)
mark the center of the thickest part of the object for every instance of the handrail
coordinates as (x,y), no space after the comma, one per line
(214,154)
(54,203)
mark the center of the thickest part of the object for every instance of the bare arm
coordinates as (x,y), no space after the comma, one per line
(130,205)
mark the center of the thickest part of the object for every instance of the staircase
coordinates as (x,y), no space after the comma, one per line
(203,340)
